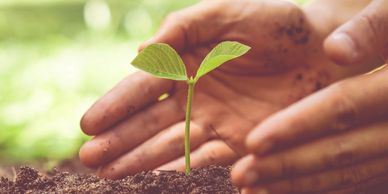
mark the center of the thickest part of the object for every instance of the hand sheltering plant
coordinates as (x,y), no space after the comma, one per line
(163,61)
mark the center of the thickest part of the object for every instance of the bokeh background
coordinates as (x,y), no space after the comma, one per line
(56,58)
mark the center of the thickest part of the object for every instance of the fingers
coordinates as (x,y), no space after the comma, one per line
(374,185)
(363,39)
(214,152)
(160,149)
(130,95)
(330,110)
(189,27)
(131,132)
(321,155)
(328,180)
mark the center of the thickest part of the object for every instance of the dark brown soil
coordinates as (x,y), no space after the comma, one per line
(212,179)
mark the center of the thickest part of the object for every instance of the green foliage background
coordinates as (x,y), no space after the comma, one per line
(53,66)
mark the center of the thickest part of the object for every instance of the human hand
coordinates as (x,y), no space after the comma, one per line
(363,39)
(134,131)
(334,141)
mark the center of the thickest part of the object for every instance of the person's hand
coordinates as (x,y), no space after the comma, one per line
(134,131)
(333,139)
(363,39)
(336,140)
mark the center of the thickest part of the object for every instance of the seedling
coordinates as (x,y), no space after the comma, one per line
(163,61)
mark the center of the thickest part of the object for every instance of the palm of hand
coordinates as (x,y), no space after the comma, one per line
(228,104)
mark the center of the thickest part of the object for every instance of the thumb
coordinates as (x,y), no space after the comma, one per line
(362,40)
(186,28)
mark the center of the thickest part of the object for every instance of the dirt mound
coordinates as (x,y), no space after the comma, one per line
(212,179)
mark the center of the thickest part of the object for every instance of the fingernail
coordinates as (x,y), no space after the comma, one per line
(250,177)
(347,45)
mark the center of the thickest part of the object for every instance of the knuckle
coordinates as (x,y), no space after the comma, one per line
(342,154)
(345,109)
(351,176)
(211,156)
(177,139)
(369,22)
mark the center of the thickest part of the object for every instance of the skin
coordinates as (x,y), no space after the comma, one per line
(133,131)
(341,147)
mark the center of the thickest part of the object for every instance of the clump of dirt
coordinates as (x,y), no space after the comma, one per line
(212,179)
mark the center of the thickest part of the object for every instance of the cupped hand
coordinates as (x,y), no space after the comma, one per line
(134,131)
(333,141)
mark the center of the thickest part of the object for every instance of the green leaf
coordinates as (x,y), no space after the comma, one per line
(161,60)
(220,54)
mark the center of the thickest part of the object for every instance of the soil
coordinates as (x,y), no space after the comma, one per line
(212,179)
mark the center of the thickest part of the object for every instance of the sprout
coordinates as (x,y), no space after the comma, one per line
(163,61)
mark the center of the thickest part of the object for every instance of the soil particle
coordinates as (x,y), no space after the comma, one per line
(297,31)
(212,179)
(298,34)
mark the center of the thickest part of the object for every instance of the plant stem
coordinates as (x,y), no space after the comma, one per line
(190,94)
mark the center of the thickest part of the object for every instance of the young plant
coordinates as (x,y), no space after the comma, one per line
(163,61)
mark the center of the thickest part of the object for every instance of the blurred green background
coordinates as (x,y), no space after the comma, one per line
(56,58)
